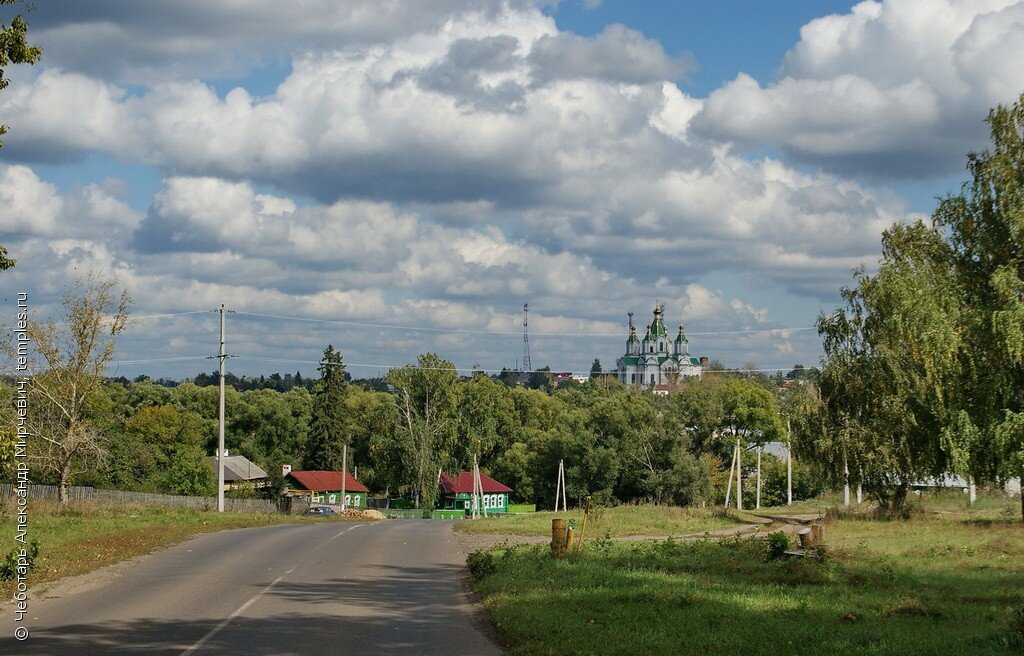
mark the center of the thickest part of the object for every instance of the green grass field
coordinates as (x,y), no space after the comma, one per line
(617,522)
(84,537)
(522,507)
(948,581)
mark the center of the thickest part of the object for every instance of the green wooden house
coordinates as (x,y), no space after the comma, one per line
(456,493)
(325,487)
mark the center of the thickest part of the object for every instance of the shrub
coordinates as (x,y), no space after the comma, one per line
(776,545)
(481,564)
(9,565)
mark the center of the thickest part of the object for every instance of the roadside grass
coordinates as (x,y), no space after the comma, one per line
(616,521)
(522,507)
(85,536)
(986,506)
(941,583)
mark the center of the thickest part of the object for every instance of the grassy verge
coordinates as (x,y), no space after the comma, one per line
(941,583)
(84,537)
(522,507)
(615,522)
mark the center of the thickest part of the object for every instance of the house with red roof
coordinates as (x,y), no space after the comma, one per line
(456,493)
(325,487)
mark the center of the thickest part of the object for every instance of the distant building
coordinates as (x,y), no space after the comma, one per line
(325,487)
(658,360)
(456,493)
(240,473)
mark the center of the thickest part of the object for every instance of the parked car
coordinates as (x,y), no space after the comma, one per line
(320,511)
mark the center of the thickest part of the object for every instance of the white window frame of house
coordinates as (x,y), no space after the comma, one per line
(332,499)
(652,379)
(355,501)
(466,503)
(348,499)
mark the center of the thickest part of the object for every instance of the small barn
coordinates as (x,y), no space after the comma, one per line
(456,493)
(325,487)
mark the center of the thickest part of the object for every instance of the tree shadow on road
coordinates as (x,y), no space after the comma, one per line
(400,610)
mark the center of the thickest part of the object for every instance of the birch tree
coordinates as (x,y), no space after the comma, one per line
(428,400)
(70,357)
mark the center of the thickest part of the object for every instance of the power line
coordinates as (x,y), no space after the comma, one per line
(481,370)
(168,314)
(180,358)
(360,324)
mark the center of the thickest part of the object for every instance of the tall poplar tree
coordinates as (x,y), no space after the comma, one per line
(327,423)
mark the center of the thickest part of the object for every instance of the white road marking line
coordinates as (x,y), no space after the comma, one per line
(241,609)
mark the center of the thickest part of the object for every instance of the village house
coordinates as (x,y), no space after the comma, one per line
(240,473)
(456,493)
(325,487)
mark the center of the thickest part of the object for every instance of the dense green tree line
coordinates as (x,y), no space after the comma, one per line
(619,444)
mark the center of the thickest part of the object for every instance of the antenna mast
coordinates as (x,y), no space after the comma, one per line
(526,339)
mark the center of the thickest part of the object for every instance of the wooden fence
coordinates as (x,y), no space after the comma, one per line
(76,493)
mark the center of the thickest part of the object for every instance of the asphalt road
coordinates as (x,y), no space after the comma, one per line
(391,587)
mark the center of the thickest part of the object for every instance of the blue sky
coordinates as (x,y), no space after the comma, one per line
(436,164)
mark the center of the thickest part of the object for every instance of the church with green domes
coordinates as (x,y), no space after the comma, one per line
(657,359)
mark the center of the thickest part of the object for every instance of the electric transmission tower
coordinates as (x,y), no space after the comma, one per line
(526,339)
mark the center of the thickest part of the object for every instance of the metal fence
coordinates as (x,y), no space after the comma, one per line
(77,493)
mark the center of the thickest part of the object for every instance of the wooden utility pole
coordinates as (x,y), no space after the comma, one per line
(344,473)
(789,464)
(732,468)
(560,487)
(757,503)
(739,476)
(480,484)
(475,502)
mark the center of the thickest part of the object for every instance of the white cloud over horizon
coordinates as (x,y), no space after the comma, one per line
(440,171)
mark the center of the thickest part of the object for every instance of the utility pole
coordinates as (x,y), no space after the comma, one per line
(344,473)
(739,476)
(221,357)
(757,504)
(220,419)
(476,492)
(732,468)
(560,487)
(480,484)
(789,464)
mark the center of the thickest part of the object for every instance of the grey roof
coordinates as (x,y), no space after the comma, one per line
(238,468)
(777,449)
